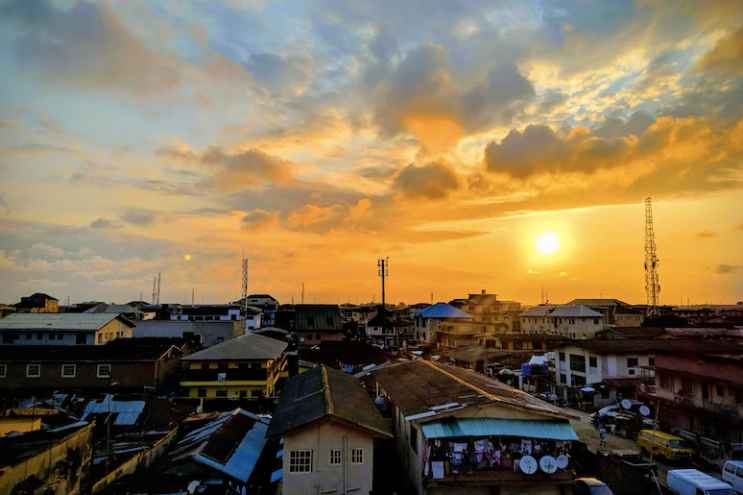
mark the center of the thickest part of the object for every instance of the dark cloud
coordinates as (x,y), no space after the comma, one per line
(87,46)
(432,181)
(377,173)
(139,217)
(236,171)
(258,218)
(103,223)
(724,269)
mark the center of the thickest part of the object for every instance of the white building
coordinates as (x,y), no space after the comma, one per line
(611,367)
(573,321)
(63,328)
(328,424)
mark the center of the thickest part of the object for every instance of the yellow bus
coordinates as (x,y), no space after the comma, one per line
(665,445)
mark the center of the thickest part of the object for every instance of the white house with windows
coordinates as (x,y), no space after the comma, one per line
(603,370)
(328,424)
(573,321)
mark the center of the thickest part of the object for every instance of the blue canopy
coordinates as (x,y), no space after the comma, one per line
(481,427)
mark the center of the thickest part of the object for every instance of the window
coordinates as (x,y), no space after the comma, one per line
(300,461)
(39,336)
(60,336)
(202,392)
(651,361)
(357,456)
(593,362)
(562,356)
(578,381)
(103,371)
(632,362)
(666,382)
(33,370)
(577,363)
(335,457)
(221,393)
(69,371)
(720,390)
(3,370)
(28,336)
(563,379)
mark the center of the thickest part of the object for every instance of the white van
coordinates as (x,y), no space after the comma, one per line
(693,482)
(732,472)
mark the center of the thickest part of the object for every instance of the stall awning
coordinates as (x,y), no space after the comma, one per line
(481,427)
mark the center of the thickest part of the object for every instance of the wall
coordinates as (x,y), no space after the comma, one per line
(60,467)
(49,338)
(19,424)
(114,329)
(134,375)
(320,439)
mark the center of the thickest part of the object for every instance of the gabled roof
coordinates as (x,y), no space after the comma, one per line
(326,393)
(249,347)
(575,311)
(539,311)
(442,310)
(113,308)
(602,303)
(210,331)
(59,321)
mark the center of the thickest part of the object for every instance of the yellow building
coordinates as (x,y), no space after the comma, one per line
(244,367)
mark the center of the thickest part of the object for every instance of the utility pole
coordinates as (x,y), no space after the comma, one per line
(244,291)
(652,280)
(302,297)
(383,265)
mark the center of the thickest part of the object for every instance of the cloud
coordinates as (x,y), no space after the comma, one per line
(432,181)
(724,269)
(103,223)
(139,217)
(232,172)
(727,55)
(423,96)
(88,46)
(259,219)
(706,234)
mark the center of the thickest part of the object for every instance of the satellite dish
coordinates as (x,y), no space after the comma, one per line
(626,404)
(645,411)
(528,464)
(548,464)
(563,461)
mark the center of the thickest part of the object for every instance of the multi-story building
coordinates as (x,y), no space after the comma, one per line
(614,311)
(123,364)
(38,303)
(328,424)
(268,305)
(458,431)
(699,394)
(499,316)
(33,329)
(205,312)
(389,329)
(248,366)
(570,321)
(206,333)
(601,371)
(312,323)
(429,321)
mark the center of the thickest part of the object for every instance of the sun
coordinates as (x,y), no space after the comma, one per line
(548,243)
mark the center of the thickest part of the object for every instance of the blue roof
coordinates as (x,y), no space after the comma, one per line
(277,475)
(481,427)
(442,310)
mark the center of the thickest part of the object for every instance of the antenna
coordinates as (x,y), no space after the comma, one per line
(156,289)
(302,298)
(193,296)
(244,291)
(652,281)
(159,280)
(383,272)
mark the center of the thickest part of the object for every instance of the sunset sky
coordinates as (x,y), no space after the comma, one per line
(142,137)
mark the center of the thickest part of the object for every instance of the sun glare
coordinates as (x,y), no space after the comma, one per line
(548,243)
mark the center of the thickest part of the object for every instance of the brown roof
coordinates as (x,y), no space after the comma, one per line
(417,386)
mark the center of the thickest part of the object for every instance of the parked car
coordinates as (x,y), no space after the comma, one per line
(664,445)
(732,472)
(693,482)
(591,486)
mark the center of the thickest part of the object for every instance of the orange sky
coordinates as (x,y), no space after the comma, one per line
(318,137)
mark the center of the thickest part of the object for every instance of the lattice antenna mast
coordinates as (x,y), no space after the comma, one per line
(154,289)
(652,281)
(383,270)
(244,291)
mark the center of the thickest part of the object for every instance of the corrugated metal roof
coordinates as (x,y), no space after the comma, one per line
(443,310)
(575,311)
(57,321)
(249,346)
(481,427)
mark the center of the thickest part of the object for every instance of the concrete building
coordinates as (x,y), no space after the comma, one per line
(328,424)
(36,329)
(123,364)
(459,432)
(430,320)
(132,313)
(54,461)
(267,304)
(499,316)
(205,312)
(206,333)
(614,311)
(570,321)
(698,392)
(312,323)
(38,303)
(389,329)
(246,366)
